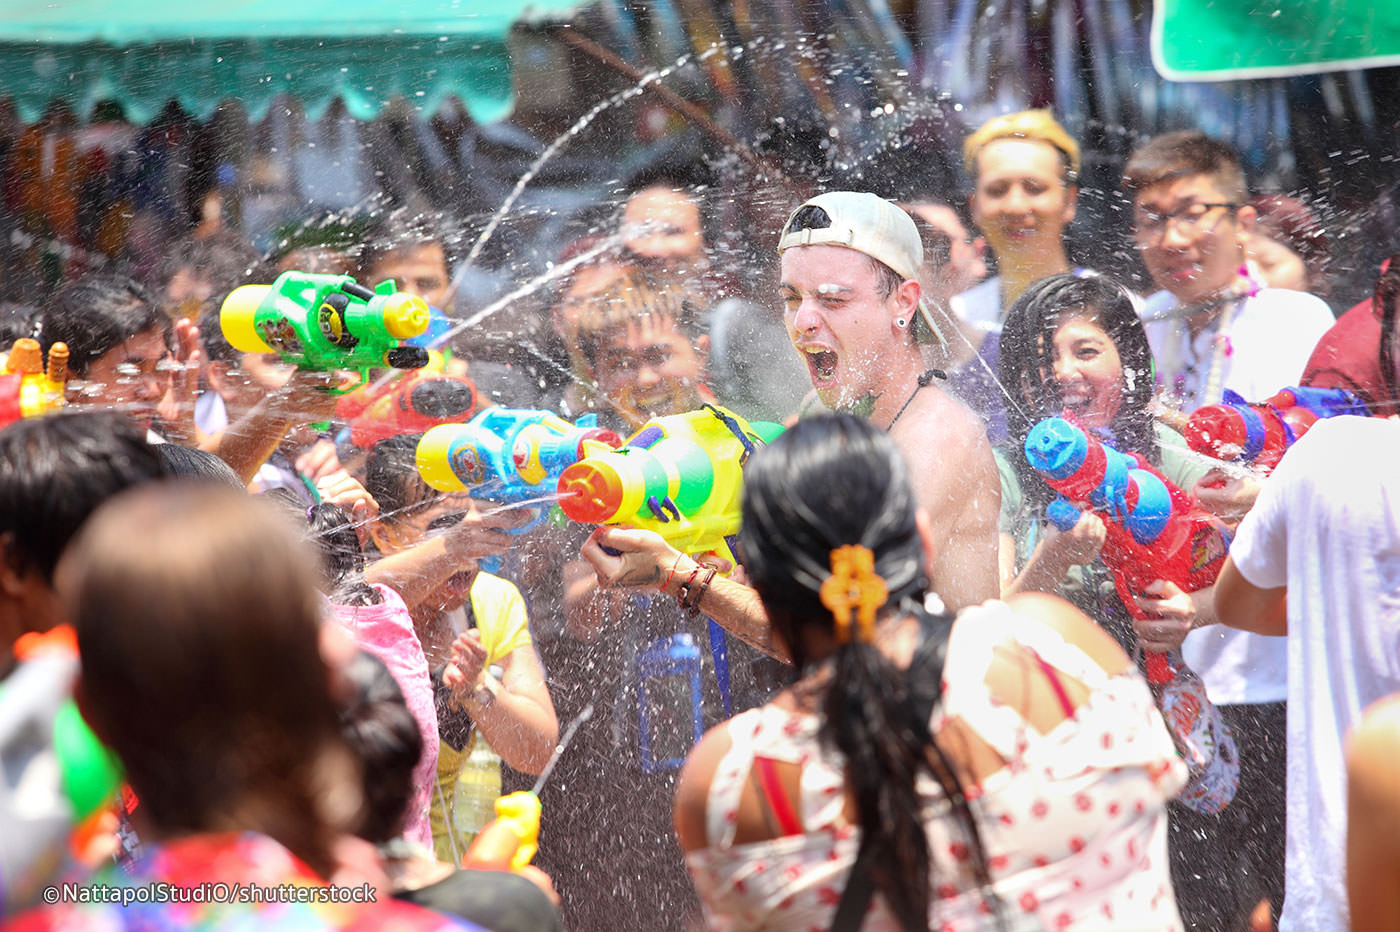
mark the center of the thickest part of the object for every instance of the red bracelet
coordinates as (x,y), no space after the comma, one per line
(671,575)
(684,591)
(690,601)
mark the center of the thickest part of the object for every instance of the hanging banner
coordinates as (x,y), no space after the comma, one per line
(1225,40)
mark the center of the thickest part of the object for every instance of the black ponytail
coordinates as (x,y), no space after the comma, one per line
(825,483)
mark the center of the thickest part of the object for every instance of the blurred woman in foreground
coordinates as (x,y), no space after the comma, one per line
(207,671)
(978,772)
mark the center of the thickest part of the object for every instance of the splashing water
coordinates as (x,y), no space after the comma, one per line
(553,148)
(530,287)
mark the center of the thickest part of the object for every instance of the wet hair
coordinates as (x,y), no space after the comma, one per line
(56,470)
(211,339)
(384,736)
(635,296)
(1027,365)
(96,314)
(214,693)
(1385,301)
(1185,154)
(692,175)
(225,260)
(331,532)
(392,232)
(812,217)
(16,321)
(196,465)
(938,246)
(1293,225)
(827,482)
(328,243)
(391,476)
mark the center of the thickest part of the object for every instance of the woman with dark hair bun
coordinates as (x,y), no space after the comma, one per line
(1001,768)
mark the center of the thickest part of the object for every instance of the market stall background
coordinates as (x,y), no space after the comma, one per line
(120,120)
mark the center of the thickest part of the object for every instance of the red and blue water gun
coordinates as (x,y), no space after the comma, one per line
(1154,529)
(1259,434)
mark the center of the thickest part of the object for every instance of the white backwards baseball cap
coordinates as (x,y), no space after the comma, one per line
(864,222)
(870,224)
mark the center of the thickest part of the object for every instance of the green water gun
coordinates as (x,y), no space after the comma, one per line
(327,323)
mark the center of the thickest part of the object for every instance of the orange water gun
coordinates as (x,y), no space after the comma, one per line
(28,387)
(414,404)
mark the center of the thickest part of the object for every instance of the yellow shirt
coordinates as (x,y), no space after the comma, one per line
(469,780)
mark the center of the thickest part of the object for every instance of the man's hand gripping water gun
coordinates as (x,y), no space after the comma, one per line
(1153,530)
(326,323)
(680,476)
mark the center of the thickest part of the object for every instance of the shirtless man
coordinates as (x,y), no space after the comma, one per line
(850,264)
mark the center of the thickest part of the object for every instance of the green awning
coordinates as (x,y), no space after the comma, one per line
(142,53)
(1222,40)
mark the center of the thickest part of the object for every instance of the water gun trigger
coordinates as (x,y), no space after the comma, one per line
(725,552)
(663,509)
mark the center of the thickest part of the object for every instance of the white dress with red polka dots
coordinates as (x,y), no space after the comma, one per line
(1074,827)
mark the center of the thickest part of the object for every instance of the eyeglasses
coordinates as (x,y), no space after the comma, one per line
(1149,227)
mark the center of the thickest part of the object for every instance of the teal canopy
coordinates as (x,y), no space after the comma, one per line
(142,53)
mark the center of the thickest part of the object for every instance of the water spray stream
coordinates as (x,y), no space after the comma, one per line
(550,151)
(531,286)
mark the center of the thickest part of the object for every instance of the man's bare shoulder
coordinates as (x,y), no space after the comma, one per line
(938,423)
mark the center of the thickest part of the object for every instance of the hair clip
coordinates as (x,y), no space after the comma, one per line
(853,584)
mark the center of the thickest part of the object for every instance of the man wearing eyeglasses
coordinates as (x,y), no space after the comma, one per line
(1215,326)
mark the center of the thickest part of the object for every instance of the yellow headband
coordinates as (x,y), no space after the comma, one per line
(1027,124)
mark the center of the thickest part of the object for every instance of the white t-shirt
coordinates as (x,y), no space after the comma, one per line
(1327,524)
(1270,338)
(980,304)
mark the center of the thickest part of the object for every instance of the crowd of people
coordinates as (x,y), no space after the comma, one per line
(917,697)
